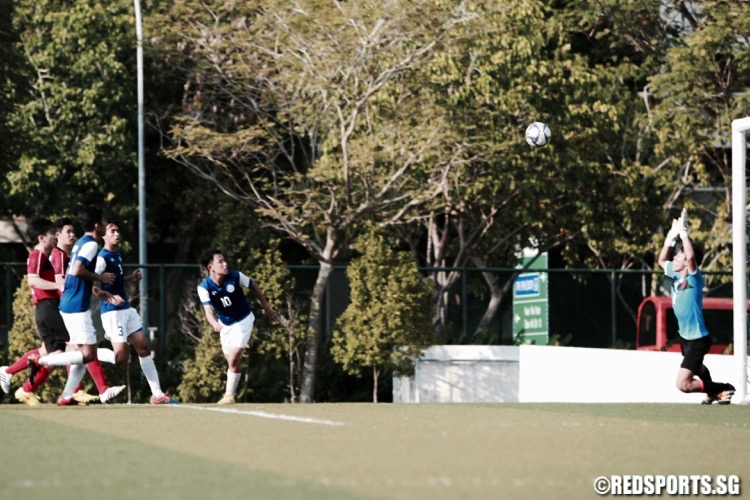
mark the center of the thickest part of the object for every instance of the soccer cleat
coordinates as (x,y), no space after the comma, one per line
(228,399)
(725,396)
(710,398)
(84,397)
(111,393)
(61,401)
(5,379)
(28,398)
(163,400)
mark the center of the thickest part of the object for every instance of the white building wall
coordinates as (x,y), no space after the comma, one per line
(462,374)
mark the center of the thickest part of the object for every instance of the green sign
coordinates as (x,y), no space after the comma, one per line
(530,303)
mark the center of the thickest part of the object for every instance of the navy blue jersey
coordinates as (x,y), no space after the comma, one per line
(77,294)
(227,299)
(111,262)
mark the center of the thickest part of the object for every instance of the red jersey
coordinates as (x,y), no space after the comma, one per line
(60,261)
(39,265)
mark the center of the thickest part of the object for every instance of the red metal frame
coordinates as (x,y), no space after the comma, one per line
(662,305)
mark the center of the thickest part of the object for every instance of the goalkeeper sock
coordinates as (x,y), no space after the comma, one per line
(705,375)
(713,387)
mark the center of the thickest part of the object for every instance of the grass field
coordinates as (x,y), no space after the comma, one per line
(333,451)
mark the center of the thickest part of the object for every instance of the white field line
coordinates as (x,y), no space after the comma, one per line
(261,414)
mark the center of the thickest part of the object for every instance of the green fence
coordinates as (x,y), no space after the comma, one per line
(587,307)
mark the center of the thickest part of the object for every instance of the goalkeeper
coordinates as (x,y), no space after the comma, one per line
(687,303)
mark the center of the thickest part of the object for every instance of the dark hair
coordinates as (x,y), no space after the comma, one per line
(208,256)
(62,222)
(115,222)
(90,216)
(39,226)
(679,247)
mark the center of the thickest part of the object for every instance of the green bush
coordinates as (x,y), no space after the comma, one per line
(389,320)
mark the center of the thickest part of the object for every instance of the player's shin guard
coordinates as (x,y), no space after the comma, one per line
(152,376)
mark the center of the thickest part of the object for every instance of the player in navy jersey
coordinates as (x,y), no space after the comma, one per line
(75,306)
(229,313)
(687,303)
(122,324)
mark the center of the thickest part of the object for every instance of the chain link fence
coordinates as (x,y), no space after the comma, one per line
(586,307)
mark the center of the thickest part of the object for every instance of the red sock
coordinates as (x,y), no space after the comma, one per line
(95,369)
(41,377)
(22,363)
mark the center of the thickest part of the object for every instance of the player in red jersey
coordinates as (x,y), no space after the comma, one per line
(58,258)
(46,298)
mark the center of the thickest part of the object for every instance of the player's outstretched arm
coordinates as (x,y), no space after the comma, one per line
(687,243)
(669,241)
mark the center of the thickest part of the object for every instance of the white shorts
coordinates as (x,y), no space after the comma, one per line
(237,334)
(120,324)
(80,327)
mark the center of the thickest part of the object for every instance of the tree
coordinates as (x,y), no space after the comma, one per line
(287,338)
(703,85)
(298,110)
(515,63)
(74,109)
(388,323)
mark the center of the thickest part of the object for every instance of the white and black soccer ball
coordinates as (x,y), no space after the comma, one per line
(538,134)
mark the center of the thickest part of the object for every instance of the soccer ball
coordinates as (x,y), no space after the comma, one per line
(538,134)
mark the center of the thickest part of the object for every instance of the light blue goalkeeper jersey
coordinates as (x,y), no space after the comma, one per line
(687,303)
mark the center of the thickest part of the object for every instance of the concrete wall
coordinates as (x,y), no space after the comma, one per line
(550,374)
(461,374)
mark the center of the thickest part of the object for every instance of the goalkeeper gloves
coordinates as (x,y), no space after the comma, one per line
(674,232)
(684,226)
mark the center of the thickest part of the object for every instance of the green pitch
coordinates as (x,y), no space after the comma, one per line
(333,451)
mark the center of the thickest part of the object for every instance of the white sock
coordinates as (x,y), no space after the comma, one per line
(152,376)
(233,379)
(62,359)
(105,355)
(74,378)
